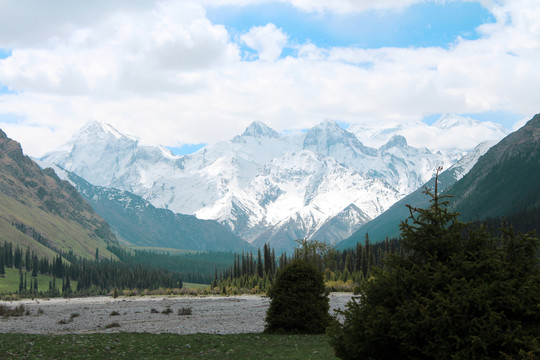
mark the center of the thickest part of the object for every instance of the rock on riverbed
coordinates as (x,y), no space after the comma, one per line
(211,314)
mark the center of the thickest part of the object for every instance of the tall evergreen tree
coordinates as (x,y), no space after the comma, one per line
(260,269)
(460,293)
(2,268)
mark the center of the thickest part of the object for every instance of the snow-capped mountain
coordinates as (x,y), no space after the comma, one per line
(266,187)
(451,134)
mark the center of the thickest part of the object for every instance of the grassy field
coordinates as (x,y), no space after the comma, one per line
(165,346)
(195,286)
(10,283)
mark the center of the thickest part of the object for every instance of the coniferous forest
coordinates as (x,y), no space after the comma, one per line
(343,270)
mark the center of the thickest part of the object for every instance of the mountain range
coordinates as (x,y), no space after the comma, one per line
(264,186)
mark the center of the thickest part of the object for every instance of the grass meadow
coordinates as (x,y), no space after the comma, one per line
(165,346)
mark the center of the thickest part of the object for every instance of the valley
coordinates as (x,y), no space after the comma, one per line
(209,315)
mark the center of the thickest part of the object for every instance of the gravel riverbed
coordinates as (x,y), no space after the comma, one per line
(209,314)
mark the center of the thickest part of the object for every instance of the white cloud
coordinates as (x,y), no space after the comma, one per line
(267,40)
(322,6)
(145,52)
(164,72)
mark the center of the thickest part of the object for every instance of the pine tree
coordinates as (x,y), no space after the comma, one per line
(260,269)
(35,265)
(2,268)
(21,282)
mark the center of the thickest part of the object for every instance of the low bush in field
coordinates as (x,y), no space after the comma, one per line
(184,311)
(340,286)
(167,311)
(7,311)
(114,324)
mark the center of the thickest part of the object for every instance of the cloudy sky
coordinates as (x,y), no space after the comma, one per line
(182,73)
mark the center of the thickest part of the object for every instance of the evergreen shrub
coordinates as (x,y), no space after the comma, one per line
(299,301)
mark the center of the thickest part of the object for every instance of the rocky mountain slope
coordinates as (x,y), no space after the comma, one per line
(40,211)
(387,224)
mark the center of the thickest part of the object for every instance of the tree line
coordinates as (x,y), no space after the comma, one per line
(193,267)
(342,269)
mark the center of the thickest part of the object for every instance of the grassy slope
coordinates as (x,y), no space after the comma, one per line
(53,208)
(65,234)
(165,346)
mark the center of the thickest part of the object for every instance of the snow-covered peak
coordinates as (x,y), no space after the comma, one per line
(105,156)
(258,129)
(447,121)
(465,164)
(396,141)
(450,134)
(328,138)
(261,179)
(99,129)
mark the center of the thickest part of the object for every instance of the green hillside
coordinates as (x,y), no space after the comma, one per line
(40,211)
(506,180)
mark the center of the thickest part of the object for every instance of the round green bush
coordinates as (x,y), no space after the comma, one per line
(299,301)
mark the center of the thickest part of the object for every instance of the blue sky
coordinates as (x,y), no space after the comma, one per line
(188,73)
(420,25)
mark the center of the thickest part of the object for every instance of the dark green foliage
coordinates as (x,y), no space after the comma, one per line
(2,267)
(167,311)
(299,302)
(114,324)
(460,293)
